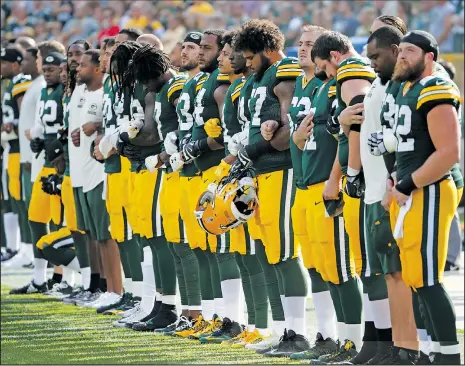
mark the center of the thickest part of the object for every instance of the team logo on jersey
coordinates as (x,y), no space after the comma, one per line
(93,109)
(81,102)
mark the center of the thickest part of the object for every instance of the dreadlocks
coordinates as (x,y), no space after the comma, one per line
(148,63)
(71,84)
(119,63)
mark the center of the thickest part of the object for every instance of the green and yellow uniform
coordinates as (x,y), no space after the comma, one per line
(44,207)
(353,68)
(275,176)
(302,104)
(189,185)
(426,225)
(167,121)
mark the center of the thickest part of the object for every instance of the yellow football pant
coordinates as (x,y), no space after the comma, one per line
(67,197)
(44,207)
(14,176)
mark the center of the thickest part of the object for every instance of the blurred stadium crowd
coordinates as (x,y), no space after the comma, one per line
(69,20)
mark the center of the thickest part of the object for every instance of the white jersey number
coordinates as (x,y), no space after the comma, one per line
(260,95)
(8,112)
(186,120)
(48,112)
(403,128)
(199,108)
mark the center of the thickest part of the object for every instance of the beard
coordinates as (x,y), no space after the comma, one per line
(404,72)
(211,66)
(266,63)
(321,75)
(190,66)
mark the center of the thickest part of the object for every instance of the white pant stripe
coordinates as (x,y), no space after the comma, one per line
(430,234)
(287,215)
(63,242)
(342,249)
(158,228)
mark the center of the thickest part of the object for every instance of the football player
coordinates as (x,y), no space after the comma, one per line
(11,59)
(312,160)
(43,208)
(424,192)
(92,205)
(261,43)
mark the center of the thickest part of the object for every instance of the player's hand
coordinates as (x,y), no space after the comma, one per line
(171,143)
(132,152)
(90,128)
(355,185)
(76,137)
(244,158)
(152,163)
(8,127)
(98,155)
(376,144)
(399,197)
(191,151)
(27,133)
(331,190)
(63,135)
(238,141)
(213,127)
(304,131)
(37,145)
(387,198)
(333,126)
(176,161)
(268,128)
(134,127)
(350,115)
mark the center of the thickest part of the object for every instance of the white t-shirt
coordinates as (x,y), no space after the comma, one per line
(93,171)
(76,105)
(373,166)
(27,115)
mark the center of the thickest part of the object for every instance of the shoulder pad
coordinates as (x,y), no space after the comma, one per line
(437,90)
(288,68)
(354,68)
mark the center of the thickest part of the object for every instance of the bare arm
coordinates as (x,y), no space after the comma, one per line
(284,91)
(443,127)
(148,135)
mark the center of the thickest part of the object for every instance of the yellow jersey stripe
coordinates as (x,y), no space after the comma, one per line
(198,87)
(354,66)
(446,92)
(332,89)
(437,87)
(289,66)
(17,91)
(170,92)
(18,88)
(289,73)
(222,77)
(175,86)
(437,97)
(357,74)
(238,87)
(234,96)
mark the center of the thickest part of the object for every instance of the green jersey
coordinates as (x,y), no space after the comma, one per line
(301,105)
(413,103)
(185,111)
(113,163)
(321,148)
(10,109)
(51,114)
(231,123)
(243,112)
(206,108)
(350,69)
(264,105)
(66,100)
(165,109)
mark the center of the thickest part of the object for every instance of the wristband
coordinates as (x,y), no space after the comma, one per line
(406,185)
(260,148)
(355,127)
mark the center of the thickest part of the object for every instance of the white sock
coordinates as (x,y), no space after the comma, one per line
(250,327)
(85,275)
(40,271)
(354,333)
(219,307)
(158,296)
(127,284)
(341,331)
(278,327)
(352,172)
(283,303)
(68,275)
(295,314)
(184,307)
(148,296)
(325,314)
(74,265)
(26,251)
(434,346)
(169,299)
(231,290)
(11,228)
(138,288)
(424,342)
(208,309)
(367,310)
(381,313)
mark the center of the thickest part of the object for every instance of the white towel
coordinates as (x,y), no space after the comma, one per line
(399,229)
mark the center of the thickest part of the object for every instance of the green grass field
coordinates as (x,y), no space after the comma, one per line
(36,329)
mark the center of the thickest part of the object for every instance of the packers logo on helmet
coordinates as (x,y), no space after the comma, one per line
(227,205)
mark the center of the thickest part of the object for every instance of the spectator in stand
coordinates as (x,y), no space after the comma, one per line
(137,18)
(442,24)
(174,33)
(65,12)
(237,15)
(82,25)
(366,19)
(422,18)
(19,20)
(344,21)
(109,25)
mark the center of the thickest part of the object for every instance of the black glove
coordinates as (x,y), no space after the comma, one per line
(120,147)
(194,149)
(132,152)
(243,157)
(63,135)
(52,184)
(37,145)
(333,126)
(355,185)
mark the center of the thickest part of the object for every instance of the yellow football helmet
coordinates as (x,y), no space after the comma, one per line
(227,205)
